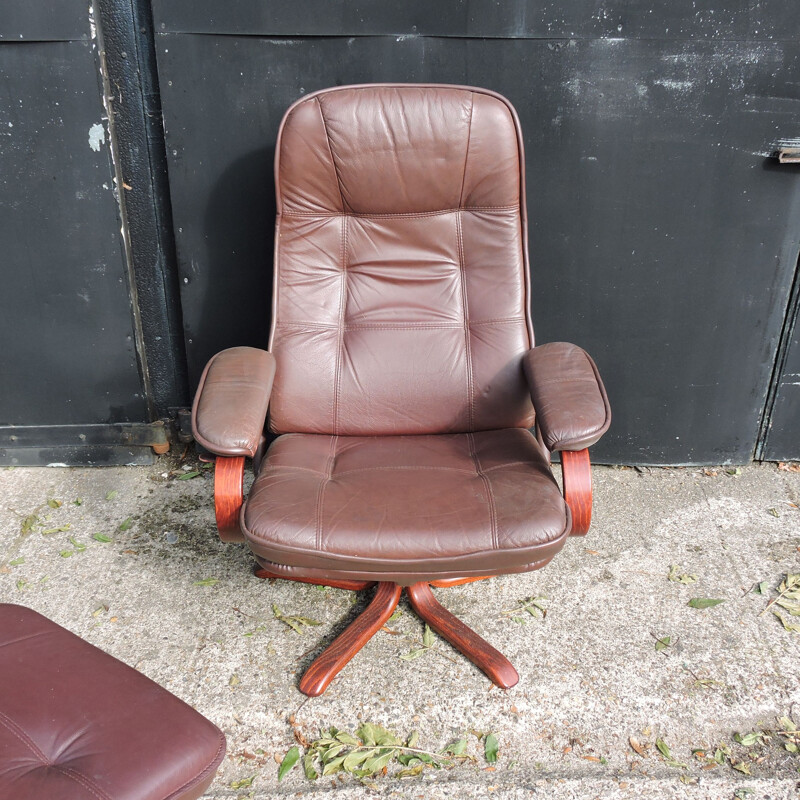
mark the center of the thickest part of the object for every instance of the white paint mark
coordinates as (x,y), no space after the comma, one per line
(97,135)
(670,83)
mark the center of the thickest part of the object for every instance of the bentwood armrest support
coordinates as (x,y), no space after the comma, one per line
(231,403)
(228,416)
(572,413)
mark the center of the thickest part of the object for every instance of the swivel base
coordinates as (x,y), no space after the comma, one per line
(333,659)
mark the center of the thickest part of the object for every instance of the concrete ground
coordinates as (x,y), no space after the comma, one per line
(165,596)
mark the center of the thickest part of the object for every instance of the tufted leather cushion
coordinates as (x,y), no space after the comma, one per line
(76,724)
(406,508)
(401,278)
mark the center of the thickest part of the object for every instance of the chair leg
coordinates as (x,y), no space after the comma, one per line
(353,586)
(330,662)
(499,669)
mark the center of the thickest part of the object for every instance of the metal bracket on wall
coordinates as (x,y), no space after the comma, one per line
(82,445)
(788,151)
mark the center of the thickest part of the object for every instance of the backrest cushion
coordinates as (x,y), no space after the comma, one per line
(401,299)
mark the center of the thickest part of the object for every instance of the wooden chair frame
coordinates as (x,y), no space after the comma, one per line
(228,501)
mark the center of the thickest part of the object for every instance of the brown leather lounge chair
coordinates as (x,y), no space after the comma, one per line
(401,375)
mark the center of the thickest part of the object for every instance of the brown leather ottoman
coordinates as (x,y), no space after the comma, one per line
(76,724)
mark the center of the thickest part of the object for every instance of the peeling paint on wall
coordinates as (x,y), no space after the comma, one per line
(97,135)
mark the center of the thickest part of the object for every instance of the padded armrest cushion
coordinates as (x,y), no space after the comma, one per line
(230,406)
(568,396)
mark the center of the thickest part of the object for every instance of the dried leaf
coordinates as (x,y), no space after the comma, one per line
(789,626)
(788,466)
(410,773)
(289,760)
(491,747)
(60,529)
(676,576)
(29,523)
(741,766)
(244,783)
(234,680)
(294,622)
(356,758)
(308,766)
(188,475)
(376,735)
(792,606)
(703,602)
(427,637)
(663,748)
(456,748)
(634,743)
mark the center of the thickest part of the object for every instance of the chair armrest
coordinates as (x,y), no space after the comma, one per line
(230,406)
(569,399)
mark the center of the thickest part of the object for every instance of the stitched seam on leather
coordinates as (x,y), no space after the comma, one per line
(465,311)
(333,158)
(268,467)
(562,381)
(212,765)
(489,492)
(506,464)
(340,337)
(378,469)
(84,781)
(466,152)
(320,325)
(497,321)
(18,731)
(321,491)
(400,325)
(400,214)
(405,563)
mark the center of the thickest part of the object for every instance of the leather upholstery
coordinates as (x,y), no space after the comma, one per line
(570,400)
(230,406)
(400,325)
(76,724)
(406,508)
(401,276)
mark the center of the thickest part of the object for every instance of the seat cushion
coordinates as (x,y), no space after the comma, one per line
(406,508)
(76,724)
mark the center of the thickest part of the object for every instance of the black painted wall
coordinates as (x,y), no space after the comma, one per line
(664,235)
(68,352)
